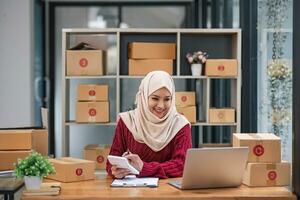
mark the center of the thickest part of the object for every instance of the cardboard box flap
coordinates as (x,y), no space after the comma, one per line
(256,136)
(75,160)
(69,161)
(96,146)
(16,131)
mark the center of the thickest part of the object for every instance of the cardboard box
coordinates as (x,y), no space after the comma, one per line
(144,66)
(8,158)
(263,147)
(40,141)
(189,112)
(144,50)
(92,92)
(267,174)
(97,153)
(221,67)
(72,169)
(24,139)
(221,115)
(185,99)
(85,62)
(15,139)
(92,111)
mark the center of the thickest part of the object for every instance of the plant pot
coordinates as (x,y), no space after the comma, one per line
(33,182)
(196,69)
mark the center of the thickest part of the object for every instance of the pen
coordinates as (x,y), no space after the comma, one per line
(126,152)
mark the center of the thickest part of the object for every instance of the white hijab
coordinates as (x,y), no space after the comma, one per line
(143,124)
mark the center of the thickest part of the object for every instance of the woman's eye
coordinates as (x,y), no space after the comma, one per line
(154,98)
(167,99)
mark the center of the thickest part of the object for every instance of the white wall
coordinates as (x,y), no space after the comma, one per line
(16,63)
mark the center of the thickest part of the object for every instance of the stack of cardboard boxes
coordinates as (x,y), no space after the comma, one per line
(221,68)
(19,143)
(97,153)
(186,105)
(264,166)
(146,57)
(92,103)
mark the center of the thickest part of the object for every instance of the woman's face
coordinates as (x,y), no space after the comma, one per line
(160,102)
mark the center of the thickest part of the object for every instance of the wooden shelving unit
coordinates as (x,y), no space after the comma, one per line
(219,43)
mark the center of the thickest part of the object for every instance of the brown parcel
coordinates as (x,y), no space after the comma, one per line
(92,112)
(221,115)
(189,112)
(85,62)
(144,66)
(8,158)
(72,169)
(97,153)
(263,147)
(92,92)
(221,67)
(185,99)
(40,141)
(267,174)
(15,139)
(146,50)
(25,139)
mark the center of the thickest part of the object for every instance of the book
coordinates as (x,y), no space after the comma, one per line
(49,188)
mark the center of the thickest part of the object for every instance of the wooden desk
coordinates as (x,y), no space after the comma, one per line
(100,189)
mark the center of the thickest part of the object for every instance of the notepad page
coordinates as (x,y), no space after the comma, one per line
(135,182)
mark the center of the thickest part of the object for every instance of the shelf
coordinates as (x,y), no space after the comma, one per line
(213,124)
(91,77)
(174,77)
(222,77)
(71,123)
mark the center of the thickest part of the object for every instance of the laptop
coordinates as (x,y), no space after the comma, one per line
(213,168)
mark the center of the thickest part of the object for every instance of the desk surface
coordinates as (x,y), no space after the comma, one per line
(100,189)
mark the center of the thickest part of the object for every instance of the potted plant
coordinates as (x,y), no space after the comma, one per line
(33,168)
(196,60)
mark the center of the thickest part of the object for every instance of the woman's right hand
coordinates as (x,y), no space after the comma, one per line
(119,172)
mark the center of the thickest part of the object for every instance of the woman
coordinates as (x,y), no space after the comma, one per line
(154,137)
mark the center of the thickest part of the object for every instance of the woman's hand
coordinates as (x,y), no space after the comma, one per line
(134,160)
(119,172)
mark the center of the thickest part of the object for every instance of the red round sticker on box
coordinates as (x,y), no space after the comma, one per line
(100,159)
(183,98)
(221,67)
(92,112)
(92,92)
(258,150)
(220,115)
(79,171)
(83,62)
(272,175)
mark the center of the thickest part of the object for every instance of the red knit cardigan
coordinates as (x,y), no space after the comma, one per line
(168,162)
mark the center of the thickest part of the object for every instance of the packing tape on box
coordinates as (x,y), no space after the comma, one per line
(92,98)
(271,170)
(258,150)
(91,119)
